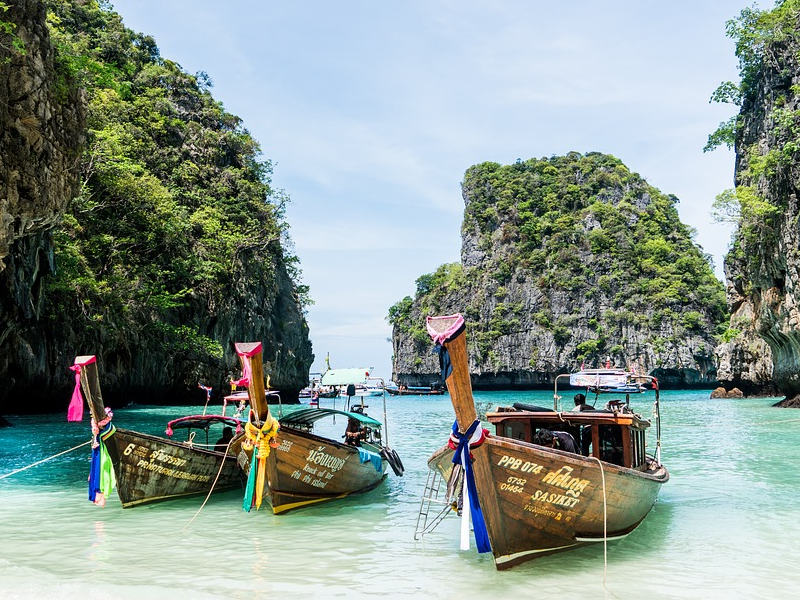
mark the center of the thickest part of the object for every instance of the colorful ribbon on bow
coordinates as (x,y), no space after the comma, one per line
(101,472)
(75,410)
(471,438)
(260,440)
(247,370)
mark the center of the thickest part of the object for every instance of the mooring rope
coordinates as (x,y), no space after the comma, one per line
(38,462)
(605,525)
(221,466)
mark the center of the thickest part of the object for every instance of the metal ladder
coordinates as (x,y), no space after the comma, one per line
(431,496)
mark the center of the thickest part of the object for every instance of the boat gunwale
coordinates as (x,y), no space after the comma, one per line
(577,459)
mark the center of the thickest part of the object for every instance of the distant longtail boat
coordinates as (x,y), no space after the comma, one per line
(587,478)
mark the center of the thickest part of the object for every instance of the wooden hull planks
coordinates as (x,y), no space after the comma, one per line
(149,468)
(306,469)
(536,500)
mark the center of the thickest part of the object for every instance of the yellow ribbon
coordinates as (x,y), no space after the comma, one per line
(263,438)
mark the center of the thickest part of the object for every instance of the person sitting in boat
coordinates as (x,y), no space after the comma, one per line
(355,433)
(580,403)
(222,443)
(561,440)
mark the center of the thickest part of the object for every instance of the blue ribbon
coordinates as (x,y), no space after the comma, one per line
(444,361)
(94,474)
(478,524)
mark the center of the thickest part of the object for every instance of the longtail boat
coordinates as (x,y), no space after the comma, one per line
(147,468)
(289,465)
(529,499)
(415,391)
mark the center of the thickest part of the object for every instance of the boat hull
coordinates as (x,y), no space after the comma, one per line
(306,469)
(537,500)
(149,468)
(396,392)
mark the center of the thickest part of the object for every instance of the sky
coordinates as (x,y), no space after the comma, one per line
(372,111)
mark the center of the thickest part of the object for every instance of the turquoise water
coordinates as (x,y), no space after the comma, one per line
(726,525)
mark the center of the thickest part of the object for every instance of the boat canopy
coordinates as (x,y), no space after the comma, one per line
(601,378)
(309,416)
(201,422)
(345,376)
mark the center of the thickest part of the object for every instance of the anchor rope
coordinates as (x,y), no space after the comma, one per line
(221,466)
(38,462)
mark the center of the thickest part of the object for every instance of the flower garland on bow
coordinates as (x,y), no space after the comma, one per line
(462,443)
(260,440)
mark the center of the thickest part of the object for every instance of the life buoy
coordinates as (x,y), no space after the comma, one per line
(391,457)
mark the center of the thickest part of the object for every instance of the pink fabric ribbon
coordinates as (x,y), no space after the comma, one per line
(247,370)
(441,338)
(75,410)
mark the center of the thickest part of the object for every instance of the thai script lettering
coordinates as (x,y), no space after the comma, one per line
(286,446)
(323,459)
(167,458)
(562,478)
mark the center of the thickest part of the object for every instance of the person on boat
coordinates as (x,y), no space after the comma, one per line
(355,433)
(580,403)
(222,443)
(561,440)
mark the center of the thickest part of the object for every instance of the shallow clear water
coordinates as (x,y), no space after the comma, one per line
(726,525)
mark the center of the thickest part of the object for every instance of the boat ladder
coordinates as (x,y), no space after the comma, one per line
(432,499)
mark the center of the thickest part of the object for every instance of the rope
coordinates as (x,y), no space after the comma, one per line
(221,466)
(605,523)
(45,459)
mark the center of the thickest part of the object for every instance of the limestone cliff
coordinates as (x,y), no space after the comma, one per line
(763,266)
(138,222)
(42,119)
(567,261)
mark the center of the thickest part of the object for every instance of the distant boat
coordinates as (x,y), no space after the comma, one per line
(534,496)
(149,468)
(411,390)
(295,466)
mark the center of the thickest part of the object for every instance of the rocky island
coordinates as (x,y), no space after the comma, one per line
(568,260)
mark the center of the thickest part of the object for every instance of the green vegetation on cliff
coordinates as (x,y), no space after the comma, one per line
(605,251)
(175,196)
(761,37)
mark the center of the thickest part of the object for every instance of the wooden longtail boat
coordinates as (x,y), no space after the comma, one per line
(300,467)
(415,391)
(149,468)
(536,499)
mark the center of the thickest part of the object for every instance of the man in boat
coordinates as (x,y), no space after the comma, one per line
(580,403)
(355,432)
(222,443)
(560,440)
